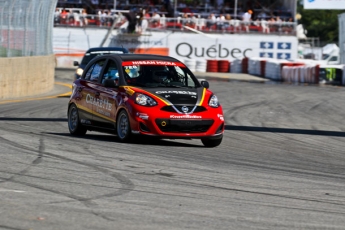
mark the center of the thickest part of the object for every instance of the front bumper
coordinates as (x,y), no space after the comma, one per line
(167,125)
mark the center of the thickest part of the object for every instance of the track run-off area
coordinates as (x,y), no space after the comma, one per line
(281,165)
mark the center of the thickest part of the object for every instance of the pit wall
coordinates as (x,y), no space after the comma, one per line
(26,76)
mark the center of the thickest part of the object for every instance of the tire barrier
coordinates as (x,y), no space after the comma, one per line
(201,66)
(191,64)
(212,66)
(262,68)
(236,66)
(301,74)
(297,71)
(245,65)
(223,66)
(254,66)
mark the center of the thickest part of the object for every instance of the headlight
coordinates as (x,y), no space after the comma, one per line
(142,99)
(79,71)
(213,101)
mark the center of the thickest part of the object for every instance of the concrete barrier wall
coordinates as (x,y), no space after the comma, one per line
(26,76)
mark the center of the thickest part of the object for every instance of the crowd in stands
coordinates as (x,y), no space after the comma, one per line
(138,16)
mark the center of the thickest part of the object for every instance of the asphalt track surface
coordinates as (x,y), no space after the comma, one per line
(281,165)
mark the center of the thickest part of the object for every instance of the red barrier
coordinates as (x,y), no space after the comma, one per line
(245,65)
(212,66)
(262,68)
(298,64)
(223,66)
(317,73)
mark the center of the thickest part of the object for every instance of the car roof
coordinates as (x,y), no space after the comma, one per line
(107,48)
(129,57)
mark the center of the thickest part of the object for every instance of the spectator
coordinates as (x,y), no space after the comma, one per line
(76,18)
(102,17)
(132,21)
(64,17)
(155,19)
(142,23)
(220,22)
(200,23)
(246,18)
(57,16)
(83,18)
(211,21)
(264,26)
(227,20)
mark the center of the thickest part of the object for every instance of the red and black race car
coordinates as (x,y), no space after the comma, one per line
(142,94)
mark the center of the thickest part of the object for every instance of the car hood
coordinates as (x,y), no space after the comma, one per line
(175,96)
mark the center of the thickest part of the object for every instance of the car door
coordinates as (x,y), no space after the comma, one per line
(105,114)
(88,90)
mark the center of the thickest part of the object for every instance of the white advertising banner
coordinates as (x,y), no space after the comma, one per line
(324,4)
(231,46)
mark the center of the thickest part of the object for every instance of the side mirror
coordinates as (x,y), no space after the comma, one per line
(76,63)
(109,83)
(205,84)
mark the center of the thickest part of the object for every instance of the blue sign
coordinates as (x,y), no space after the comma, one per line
(266,45)
(266,55)
(284,45)
(283,55)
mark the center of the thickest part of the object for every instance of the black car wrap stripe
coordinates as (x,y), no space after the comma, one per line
(179,96)
(201,94)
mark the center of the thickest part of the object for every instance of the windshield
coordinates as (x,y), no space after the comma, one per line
(158,74)
(325,56)
(90,55)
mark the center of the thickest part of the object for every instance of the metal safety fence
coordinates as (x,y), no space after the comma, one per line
(26,27)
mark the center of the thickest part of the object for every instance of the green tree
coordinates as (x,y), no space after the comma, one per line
(320,23)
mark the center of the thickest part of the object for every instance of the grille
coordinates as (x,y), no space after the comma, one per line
(198,109)
(183,125)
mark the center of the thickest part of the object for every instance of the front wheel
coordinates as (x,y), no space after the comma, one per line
(74,126)
(210,143)
(123,127)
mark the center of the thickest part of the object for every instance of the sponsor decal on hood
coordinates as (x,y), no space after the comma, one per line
(177,96)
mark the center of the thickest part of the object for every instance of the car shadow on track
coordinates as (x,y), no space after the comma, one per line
(32,119)
(286,130)
(139,140)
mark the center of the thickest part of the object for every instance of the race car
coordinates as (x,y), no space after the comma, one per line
(144,94)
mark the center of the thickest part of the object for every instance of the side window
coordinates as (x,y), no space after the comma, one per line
(94,72)
(111,72)
(88,73)
(184,77)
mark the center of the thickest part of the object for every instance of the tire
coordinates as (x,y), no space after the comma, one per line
(123,127)
(210,143)
(74,125)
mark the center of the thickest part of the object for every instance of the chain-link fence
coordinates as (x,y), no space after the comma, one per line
(26,27)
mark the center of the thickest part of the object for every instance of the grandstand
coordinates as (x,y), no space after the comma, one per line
(267,16)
